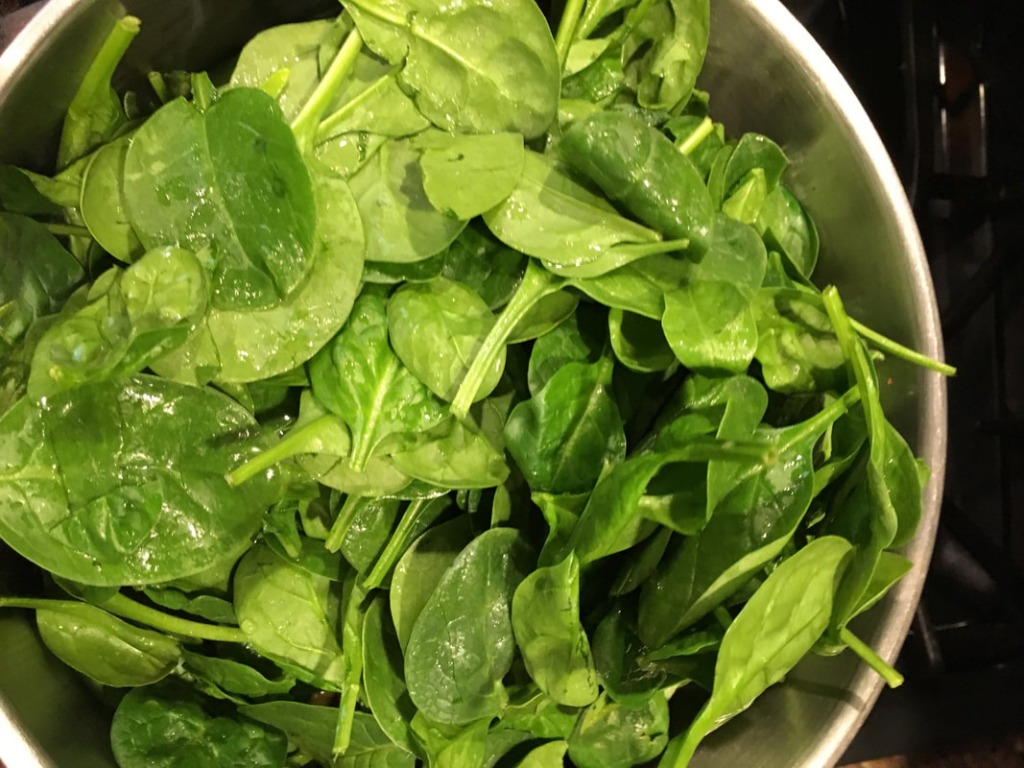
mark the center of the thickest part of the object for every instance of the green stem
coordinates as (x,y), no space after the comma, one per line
(723,617)
(71,230)
(297,441)
(820,421)
(703,449)
(893,678)
(159,85)
(308,120)
(339,116)
(352,642)
(119,605)
(537,283)
(700,133)
(567,30)
(898,350)
(396,545)
(343,522)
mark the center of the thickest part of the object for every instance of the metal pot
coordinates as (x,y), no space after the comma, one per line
(766,74)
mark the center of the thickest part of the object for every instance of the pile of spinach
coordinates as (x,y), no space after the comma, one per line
(435,389)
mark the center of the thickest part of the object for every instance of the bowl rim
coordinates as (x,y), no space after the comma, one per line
(19,747)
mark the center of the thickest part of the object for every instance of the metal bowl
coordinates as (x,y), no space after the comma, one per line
(766,74)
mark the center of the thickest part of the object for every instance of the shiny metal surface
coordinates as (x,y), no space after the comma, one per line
(765,73)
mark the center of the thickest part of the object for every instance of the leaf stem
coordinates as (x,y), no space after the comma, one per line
(308,119)
(700,133)
(159,85)
(119,605)
(338,117)
(723,617)
(342,522)
(567,30)
(537,283)
(296,441)
(396,545)
(893,678)
(71,230)
(898,350)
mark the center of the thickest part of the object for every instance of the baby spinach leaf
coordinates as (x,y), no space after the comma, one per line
(609,735)
(472,68)
(372,101)
(290,615)
(89,493)
(464,176)
(414,272)
(360,379)
(745,202)
(618,653)
(383,676)
(462,644)
(234,677)
(796,347)
(486,265)
(310,727)
(548,313)
(36,274)
(749,528)
(103,206)
(417,517)
(639,342)
(545,756)
(546,622)
(779,624)
(369,532)
(347,153)
(465,749)
(243,346)
(18,194)
(638,287)
(643,560)
(560,512)
(565,436)
(436,329)
(754,151)
(95,114)
(421,569)
(580,339)
(788,229)
(380,477)
(454,454)
(637,166)
(231,183)
(667,72)
(401,224)
(710,327)
(104,648)
(169,726)
(549,216)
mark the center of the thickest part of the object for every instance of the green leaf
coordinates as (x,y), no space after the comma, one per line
(360,379)
(455,454)
(103,206)
(107,485)
(580,339)
(639,342)
(243,346)
(234,677)
(779,624)
(788,229)
(565,436)
(383,676)
(369,532)
(667,72)
(462,644)
(710,327)
(464,176)
(402,224)
(473,68)
(546,621)
(436,329)
(169,726)
(290,615)
(609,735)
(487,266)
(618,653)
(182,180)
(209,607)
(545,756)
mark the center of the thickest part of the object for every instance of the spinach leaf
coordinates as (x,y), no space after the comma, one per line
(36,274)
(369,532)
(639,342)
(234,677)
(638,287)
(464,176)
(95,114)
(754,151)
(414,272)
(642,561)
(436,329)
(609,735)
(564,437)
(132,318)
(560,512)
(674,36)
(268,589)
(779,624)
(243,346)
(383,676)
(462,643)
(107,485)
(474,68)
(420,571)
(210,607)
(749,528)
(402,225)
(531,711)
(18,194)
(103,207)
(182,182)
(373,102)
(710,327)
(545,756)
(580,339)
(455,454)
(637,166)
(788,229)
(546,622)
(417,517)
(169,726)
(551,217)
(360,379)
(104,648)
(618,653)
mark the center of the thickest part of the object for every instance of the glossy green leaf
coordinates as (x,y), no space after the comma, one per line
(639,342)
(609,735)
(384,678)
(103,206)
(486,265)
(234,677)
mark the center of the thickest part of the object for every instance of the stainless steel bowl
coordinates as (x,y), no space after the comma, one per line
(765,73)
